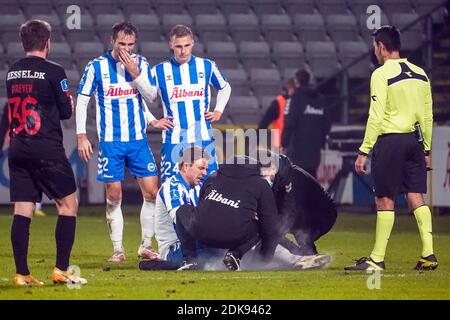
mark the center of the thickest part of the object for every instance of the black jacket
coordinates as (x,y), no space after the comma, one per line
(302,203)
(230,201)
(305,128)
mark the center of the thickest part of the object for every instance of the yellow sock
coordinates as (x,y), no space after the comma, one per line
(423,218)
(385,222)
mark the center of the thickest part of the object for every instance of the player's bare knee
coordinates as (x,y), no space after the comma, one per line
(150,195)
(25,209)
(68,206)
(385,203)
(114,193)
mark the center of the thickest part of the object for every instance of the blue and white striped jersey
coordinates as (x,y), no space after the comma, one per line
(173,193)
(184,91)
(119,105)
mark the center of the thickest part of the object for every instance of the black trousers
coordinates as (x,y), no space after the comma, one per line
(192,229)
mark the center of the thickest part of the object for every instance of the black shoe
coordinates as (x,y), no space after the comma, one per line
(189,265)
(231,262)
(427,263)
(366,263)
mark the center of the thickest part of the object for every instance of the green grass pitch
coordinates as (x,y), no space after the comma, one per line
(352,237)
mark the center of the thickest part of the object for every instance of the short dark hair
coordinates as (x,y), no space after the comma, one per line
(34,34)
(389,36)
(179,31)
(127,28)
(303,77)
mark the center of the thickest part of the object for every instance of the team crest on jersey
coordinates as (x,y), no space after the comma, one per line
(201,75)
(174,194)
(64,85)
(151,167)
(168,77)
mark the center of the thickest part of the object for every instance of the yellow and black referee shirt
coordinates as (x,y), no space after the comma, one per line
(400,96)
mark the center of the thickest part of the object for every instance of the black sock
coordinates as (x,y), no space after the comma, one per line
(64,236)
(20,235)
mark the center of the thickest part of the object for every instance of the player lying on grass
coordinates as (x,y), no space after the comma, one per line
(178,191)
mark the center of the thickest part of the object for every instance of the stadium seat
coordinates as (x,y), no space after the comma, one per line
(199,49)
(288,55)
(262,7)
(170,20)
(244,27)
(73,77)
(31,7)
(342,27)
(277,27)
(163,7)
(60,52)
(289,73)
(2,59)
(14,52)
(131,7)
(86,51)
(255,55)
(397,6)
(414,36)
(310,27)
(2,87)
(238,80)
(351,50)
(105,23)
(155,52)
(9,27)
(229,7)
(265,81)
(327,7)
(425,6)
(196,7)
(294,7)
(211,27)
(243,110)
(322,58)
(359,7)
(223,53)
(86,33)
(10,7)
(97,7)
(148,25)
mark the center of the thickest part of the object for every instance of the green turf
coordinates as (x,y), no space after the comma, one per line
(351,238)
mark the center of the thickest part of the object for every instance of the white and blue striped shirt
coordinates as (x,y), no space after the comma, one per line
(184,91)
(173,193)
(120,106)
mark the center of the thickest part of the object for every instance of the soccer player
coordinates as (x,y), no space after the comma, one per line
(38,98)
(119,80)
(4,132)
(400,98)
(183,83)
(181,188)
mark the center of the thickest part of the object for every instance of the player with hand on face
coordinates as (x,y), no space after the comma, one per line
(119,80)
(183,83)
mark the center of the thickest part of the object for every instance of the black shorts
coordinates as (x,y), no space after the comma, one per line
(398,165)
(29,178)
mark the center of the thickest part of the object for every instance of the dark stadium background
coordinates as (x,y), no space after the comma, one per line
(258,45)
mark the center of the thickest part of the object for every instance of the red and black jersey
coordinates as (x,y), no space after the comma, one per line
(38,98)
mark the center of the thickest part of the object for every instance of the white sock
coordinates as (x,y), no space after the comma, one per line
(38,206)
(283,255)
(147,222)
(114,218)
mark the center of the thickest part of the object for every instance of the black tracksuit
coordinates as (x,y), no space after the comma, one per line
(305,129)
(235,206)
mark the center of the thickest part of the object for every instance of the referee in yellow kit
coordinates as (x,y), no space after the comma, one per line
(400,102)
